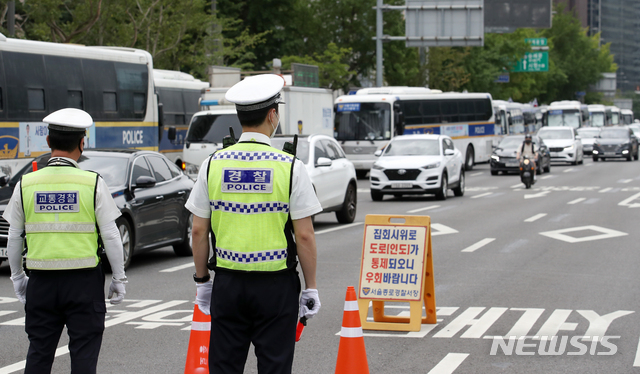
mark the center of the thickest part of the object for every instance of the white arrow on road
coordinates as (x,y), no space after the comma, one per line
(628,202)
(534,195)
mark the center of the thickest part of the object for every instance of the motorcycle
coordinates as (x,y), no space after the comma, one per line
(527,171)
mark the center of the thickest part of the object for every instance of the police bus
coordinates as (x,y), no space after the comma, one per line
(179,99)
(366,121)
(114,85)
(568,113)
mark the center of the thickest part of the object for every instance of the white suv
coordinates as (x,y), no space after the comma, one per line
(418,164)
(564,144)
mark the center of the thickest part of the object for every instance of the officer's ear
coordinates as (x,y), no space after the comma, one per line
(48,144)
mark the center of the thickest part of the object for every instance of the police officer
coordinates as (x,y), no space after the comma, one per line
(60,208)
(258,202)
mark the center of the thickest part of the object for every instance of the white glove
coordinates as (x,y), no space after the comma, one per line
(117,288)
(309,294)
(20,286)
(203,296)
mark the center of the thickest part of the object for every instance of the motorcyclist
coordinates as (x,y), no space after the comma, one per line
(527,149)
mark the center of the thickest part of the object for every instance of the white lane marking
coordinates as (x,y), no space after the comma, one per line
(476,174)
(605,190)
(425,208)
(627,202)
(548,176)
(179,267)
(604,233)
(568,170)
(481,195)
(625,181)
(516,185)
(6,312)
(339,228)
(535,218)
(636,362)
(534,195)
(364,190)
(442,229)
(122,318)
(592,201)
(478,245)
(578,200)
(449,363)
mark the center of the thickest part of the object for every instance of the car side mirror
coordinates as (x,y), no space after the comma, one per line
(4,180)
(449,152)
(323,162)
(378,153)
(144,182)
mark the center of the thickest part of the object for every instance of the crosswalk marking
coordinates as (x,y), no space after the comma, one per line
(449,363)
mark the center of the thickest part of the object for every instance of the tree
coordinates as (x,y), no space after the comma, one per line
(334,71)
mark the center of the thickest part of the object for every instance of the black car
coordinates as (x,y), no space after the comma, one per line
(504,158)
(149,190)
(615,142)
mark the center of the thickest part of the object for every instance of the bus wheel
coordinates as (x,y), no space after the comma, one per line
(469,159)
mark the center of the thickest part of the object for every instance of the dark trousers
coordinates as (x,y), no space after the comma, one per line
(253,308)
(56,298)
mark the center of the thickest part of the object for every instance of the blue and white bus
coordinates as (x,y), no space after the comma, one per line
(366,121)
(114,85)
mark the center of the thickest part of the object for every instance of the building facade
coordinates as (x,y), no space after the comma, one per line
(618,22)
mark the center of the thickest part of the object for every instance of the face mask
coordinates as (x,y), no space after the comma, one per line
(274,127)
(528,141)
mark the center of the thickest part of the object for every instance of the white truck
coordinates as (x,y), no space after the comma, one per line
(306,111)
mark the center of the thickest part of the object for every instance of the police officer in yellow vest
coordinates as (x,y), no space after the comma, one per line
(60,208)
(258,202)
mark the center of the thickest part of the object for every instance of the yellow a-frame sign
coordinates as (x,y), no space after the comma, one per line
(397,265)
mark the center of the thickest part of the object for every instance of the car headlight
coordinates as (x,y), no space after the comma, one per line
(569,148)
(432,166)
(191,169)
(495,157)
(377,167)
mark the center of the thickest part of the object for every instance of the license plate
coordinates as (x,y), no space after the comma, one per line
(610,153)
(553,154)
(512,163)
(401,185)
(3,252)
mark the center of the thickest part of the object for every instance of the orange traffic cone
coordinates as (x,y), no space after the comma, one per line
(352,356)
(198,352)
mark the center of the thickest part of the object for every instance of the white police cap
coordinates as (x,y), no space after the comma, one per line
(257,92)
(69,119)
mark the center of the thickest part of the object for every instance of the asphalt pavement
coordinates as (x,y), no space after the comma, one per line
(551,265)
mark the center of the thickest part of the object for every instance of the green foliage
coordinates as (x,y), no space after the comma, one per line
(337,36)
(334,71)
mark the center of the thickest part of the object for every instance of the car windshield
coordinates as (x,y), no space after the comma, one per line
(413,147)
(211,128)
(614,133)
(627,119)
(302,151)
(363,121)
(588,133)
(511,142)
(597,119)
(570,118)
(635,129)
(556,134)
(112,169)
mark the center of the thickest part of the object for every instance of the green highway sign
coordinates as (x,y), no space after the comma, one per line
(537,42)
(533,62)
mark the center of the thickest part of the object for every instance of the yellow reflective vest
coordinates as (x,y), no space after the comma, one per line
(249,188)
(60,219)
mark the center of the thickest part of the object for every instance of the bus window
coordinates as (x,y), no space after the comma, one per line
(109,102)
(36,98)
(467,111)
(483,111)
(449,111)
(74,99)
(363,121)
(211,128)
(23,70)
(431,110)
(139,103)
